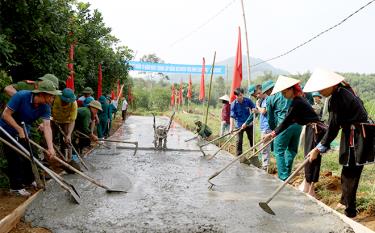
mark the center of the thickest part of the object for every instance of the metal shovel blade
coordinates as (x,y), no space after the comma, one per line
(116,182)
(266,208)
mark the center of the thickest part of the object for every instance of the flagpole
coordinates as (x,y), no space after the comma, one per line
(248,65)
(209,88)
(247,45)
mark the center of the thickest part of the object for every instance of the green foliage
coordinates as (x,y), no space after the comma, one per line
(35,38)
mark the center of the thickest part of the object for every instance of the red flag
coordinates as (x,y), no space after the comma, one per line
(237,69)
(180,94)
(112,95)
(201,91)
(118,88)
(100,80)
(130,96)
(172,96)
(70,79)
(189,93)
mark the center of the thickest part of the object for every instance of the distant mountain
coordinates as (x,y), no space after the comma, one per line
(254,71)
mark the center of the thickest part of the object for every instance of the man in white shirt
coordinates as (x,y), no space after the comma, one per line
(124,108)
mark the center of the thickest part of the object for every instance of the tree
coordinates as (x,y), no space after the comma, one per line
(151,58)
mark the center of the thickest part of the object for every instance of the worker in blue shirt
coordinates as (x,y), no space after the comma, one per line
(240,110)
(26,106)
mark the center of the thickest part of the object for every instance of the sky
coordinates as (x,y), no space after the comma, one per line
(184,31)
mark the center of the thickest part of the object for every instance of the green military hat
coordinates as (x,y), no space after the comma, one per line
(51,78)
(251,89)
(315,93)
(87,90)
(48,87)
(96,104)
(68,95)
(267,85)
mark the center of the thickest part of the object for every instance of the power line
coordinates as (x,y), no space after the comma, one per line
(316,36)
(203,24)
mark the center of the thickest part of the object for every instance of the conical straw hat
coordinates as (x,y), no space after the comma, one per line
(283,83)
(224,97)
(321,79)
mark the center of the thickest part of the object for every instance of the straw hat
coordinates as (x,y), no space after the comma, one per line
(283,83)
(224,97)
(322,79)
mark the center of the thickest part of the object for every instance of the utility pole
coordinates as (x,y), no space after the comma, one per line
(247,45)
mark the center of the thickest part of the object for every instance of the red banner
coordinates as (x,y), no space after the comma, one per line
(201,91)
(70,80)
(180,100)
(100,80)
(190,93)
(237,69)
(172,96)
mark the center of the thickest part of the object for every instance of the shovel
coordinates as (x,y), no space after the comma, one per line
(264,205)
(33,165)
(126,142)
(74,149)
(92,180)
(239,157)
(65,185)
(214,140)
(222,146)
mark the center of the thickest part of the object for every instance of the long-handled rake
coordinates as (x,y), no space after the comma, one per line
(238,158)
(195,136)
(22,151)
(214,140)
(87,136)
(92,180)
(120,141)
(264,205)
(222,146)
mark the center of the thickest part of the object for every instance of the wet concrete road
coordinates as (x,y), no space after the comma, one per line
(170,193)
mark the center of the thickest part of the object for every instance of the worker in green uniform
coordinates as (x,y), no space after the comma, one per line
(85,123)
(286,143)
(103,117)
(30,85)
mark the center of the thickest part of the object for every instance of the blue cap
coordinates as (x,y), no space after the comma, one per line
(267,85)
(251,89)
(68,95)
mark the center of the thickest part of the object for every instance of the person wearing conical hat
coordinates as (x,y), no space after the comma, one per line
(286,144)
(301,113)
(85,123)
(225,115)
(346,112)
(26,106)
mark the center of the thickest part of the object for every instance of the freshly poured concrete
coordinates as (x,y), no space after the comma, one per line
(170,193)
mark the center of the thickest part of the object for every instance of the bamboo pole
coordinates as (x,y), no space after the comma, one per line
(209,89)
